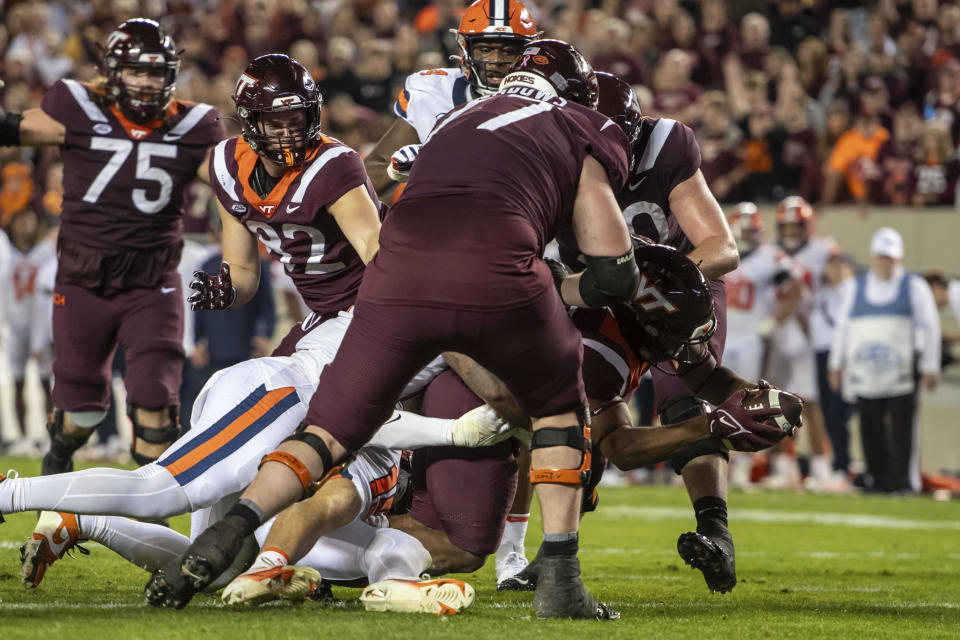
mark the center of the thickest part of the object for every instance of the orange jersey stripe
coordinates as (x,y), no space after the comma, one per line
(250,416)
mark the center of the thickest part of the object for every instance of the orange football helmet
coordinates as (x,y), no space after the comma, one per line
(500,21)
(794,210)
(747,227)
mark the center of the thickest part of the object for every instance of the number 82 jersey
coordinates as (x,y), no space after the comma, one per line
(293,221)
(123,181)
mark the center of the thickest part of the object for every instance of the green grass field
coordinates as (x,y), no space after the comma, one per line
(809,567)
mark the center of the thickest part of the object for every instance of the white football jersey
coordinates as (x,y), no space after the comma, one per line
(23,270)
(752,288)
(427,95)
(811,261)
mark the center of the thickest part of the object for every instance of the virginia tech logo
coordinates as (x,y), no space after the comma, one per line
(244,82)
(650,297)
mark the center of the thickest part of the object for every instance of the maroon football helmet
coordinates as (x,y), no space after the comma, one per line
(140,44)
(672,316)
(554,67)
(618,102)
(278,84)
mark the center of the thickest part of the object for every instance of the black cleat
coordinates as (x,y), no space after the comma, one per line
(168,588)
(524,580)
(713,556)
(561,594)
(208,556)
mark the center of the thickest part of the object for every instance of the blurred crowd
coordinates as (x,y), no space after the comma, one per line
(835,101)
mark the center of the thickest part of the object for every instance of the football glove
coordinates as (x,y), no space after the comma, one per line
(753,427)
(212,293)
(401,162)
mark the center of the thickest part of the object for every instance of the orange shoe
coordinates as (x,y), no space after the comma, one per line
(441,597)
(55,534)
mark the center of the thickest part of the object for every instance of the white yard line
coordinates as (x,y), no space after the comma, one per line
(862,520)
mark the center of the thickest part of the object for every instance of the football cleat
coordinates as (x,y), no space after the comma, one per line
(205,560)
(712,556)
(479,427)
(510,566)
(273,583)
(441,597)
(561,593)
(55,534)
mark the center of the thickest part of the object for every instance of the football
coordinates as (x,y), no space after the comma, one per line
(791,405)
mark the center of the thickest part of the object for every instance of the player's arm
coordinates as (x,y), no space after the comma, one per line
(702,220)
(358,218)
(32,128)
(489,388)
(203,171)
(712,382)
(400,134)
(240,252)
(629,447)
(611,274)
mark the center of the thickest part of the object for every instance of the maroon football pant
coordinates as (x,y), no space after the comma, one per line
(535,350)
(147,323)
(667,388)
(465,492)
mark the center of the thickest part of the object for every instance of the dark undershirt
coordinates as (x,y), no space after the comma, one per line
(261,181)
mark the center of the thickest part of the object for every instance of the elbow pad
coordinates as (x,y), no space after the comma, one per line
(607,281)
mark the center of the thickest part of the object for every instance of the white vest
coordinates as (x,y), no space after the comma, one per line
(880,349)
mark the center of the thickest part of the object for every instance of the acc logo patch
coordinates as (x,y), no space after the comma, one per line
(238,208)
(102,128)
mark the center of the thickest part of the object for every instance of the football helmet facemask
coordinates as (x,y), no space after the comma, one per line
(492,22)
(278,106)
(140,45)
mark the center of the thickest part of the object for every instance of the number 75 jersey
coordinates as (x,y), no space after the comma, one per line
(123,181)
(293,221)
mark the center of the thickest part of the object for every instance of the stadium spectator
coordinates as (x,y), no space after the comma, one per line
(674,93)
(754,41)
(719,140)
(792,25)
(889,177)
(718,39)
(934,177)
(858,146)
(887,321)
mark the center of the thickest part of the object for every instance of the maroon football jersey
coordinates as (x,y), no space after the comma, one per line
(124,182)
(610,367)
(665,154)
(293,222)
(493,183)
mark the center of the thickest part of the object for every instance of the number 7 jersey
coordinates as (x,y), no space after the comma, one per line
(293,221)
(123,182)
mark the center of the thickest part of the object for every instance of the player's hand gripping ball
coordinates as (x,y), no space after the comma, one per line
(756,419)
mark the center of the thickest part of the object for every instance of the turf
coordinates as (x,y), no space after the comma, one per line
(809,566)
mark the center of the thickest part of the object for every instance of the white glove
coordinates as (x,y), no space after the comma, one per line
(480,427)
(401,162)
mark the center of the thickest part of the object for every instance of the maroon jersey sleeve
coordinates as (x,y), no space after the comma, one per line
(679,159)
(606,142)
(57,102)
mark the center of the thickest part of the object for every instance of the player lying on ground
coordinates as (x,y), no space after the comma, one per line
(618,344)
(242,413)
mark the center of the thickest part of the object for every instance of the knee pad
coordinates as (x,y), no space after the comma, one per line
(574,437)
(63,444)
(296,465)
(152,435)
(705,447)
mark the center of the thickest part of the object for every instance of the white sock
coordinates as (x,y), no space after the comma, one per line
(149,546)
(821,467)
(405,430)
(147,492)
(268,558)
(514,534)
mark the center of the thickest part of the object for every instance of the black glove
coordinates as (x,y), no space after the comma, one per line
(212,293)
(559,271)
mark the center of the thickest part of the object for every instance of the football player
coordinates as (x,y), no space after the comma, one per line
(129,148)
(30,254)
(792,357)
(666,199)
(491,35)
